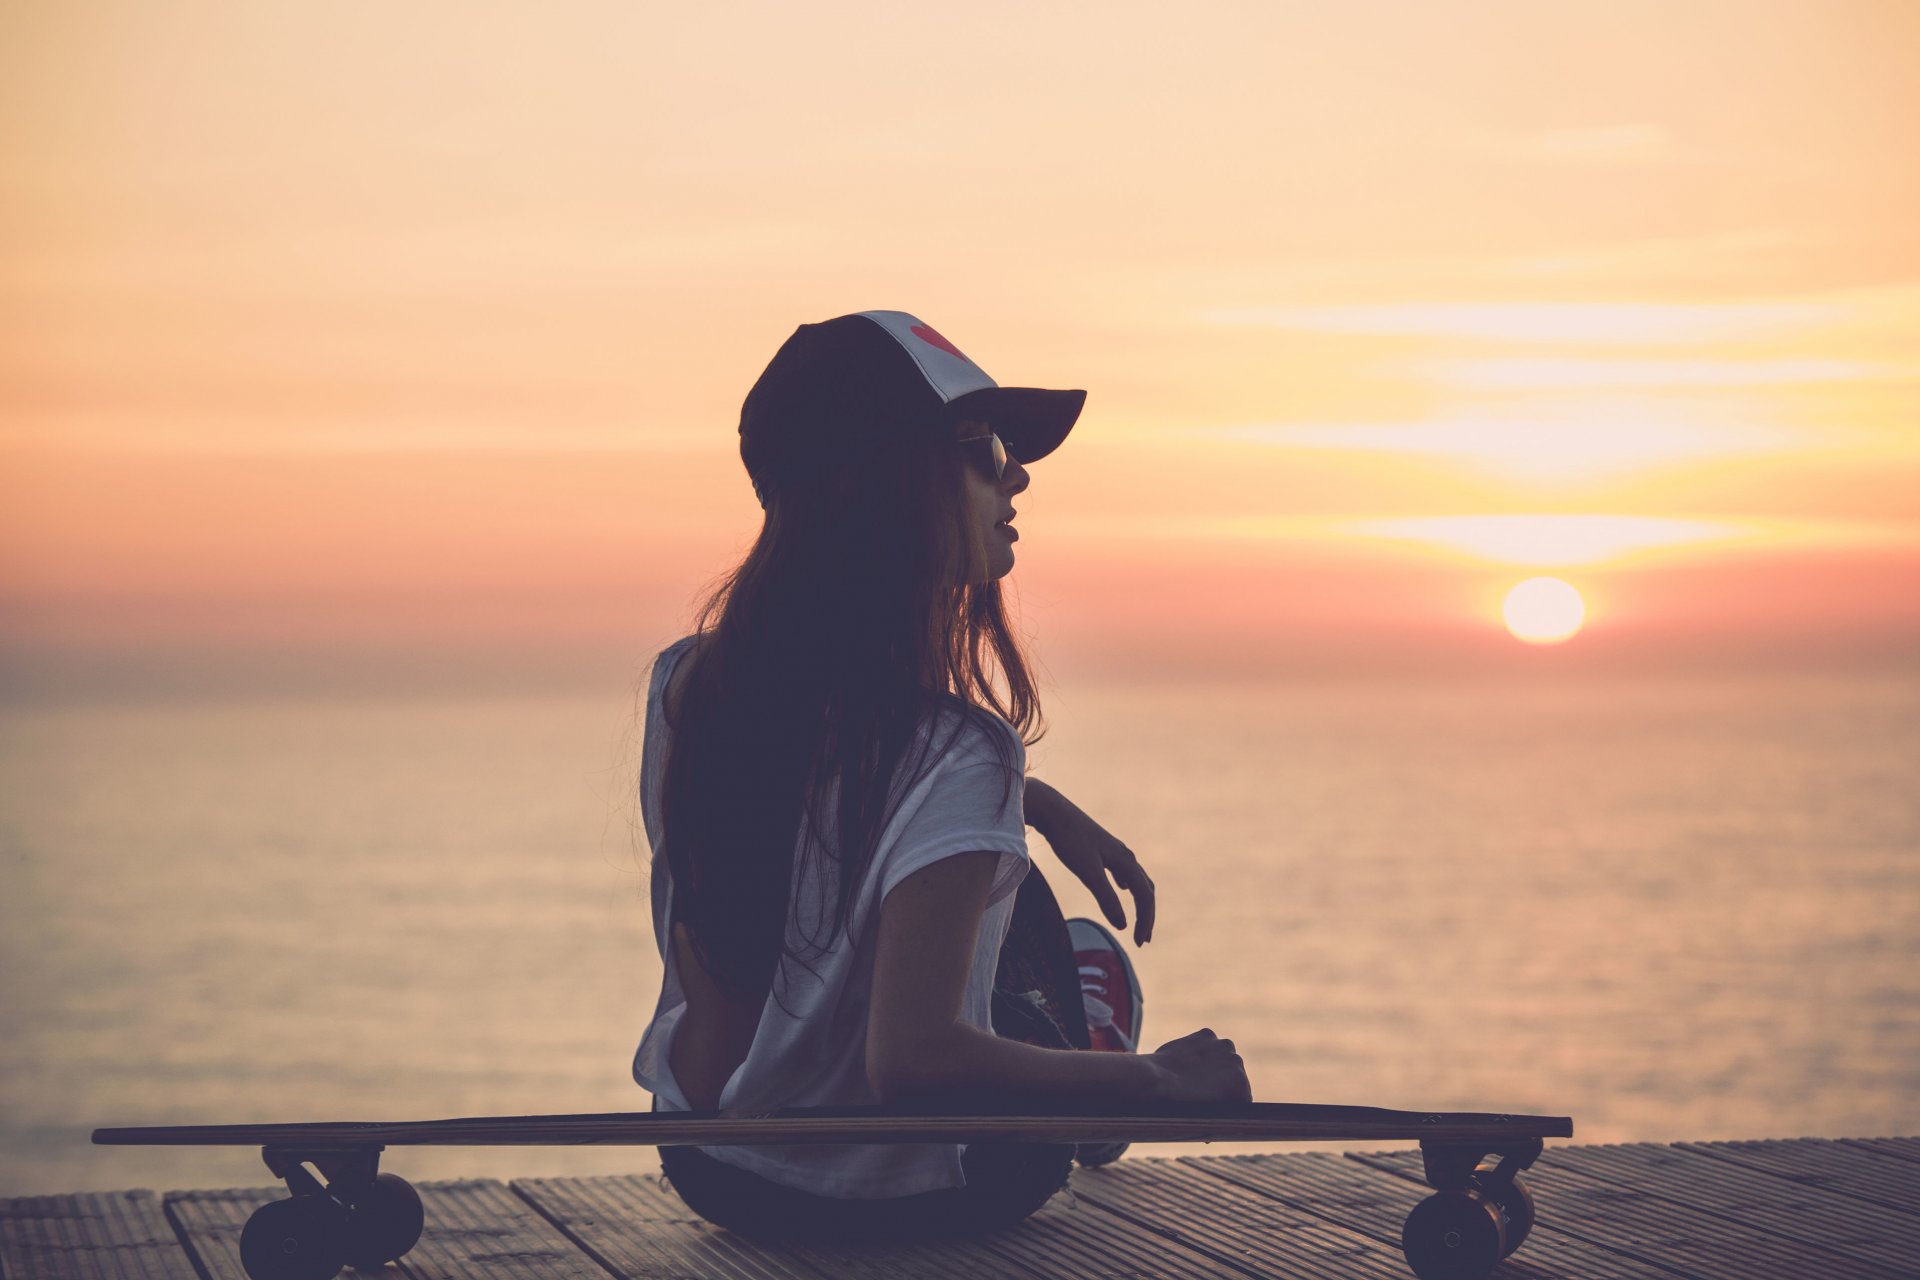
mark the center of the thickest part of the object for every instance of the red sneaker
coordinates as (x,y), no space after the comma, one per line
(1111,996)
(1108,988)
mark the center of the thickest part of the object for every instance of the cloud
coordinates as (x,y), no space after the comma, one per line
(1598,440)
(1542,540)
(1549,540)
(1590,322)
(1666,257)
(1540,373)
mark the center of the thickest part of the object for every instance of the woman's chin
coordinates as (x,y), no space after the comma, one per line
(999,567)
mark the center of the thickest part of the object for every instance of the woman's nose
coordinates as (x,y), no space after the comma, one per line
(1015,478)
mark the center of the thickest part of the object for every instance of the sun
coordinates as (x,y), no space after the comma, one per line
(1543,611)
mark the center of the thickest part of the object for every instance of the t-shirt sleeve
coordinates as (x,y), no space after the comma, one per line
(964,811)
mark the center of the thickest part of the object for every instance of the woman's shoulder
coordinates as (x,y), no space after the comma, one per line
(977,735)
(676,661)
(671,655)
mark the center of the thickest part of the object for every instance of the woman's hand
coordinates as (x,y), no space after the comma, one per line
(1092,853)
(1201,1068)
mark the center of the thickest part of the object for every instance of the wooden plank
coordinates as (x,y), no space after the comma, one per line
(1063,1239)
(1847,1169)
(1377,1203)
(92,1235)
(1072,1238)
(1235,1224)
(1320,1184)
(1661,1229)
(1825,1219)
(475,1227)
(1904,1148)
(639,1229)
(633,1205)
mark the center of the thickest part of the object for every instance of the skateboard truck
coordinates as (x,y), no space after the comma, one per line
(350,1171)
(1452,1166)
(360,1217)
(1475,1217)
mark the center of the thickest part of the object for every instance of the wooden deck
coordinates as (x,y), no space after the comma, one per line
(1809,1209)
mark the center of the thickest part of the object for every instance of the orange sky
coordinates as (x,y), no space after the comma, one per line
(349,336)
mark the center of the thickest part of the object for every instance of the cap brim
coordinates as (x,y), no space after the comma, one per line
(1030,421)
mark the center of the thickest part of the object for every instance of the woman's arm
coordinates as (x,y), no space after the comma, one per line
(1091,852)
(920,1053)
(1042,805)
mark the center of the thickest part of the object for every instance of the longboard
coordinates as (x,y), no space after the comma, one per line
(366,1218)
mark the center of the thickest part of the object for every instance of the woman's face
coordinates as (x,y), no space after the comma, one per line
(988,503)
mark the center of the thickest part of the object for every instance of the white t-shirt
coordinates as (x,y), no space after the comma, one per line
(815,1055)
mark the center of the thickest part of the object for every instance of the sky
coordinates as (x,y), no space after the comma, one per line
(359,341)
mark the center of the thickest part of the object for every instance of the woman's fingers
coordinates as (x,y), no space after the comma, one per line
(1193,1040)
(1109,901)
(1142,886)
(1134,879)
(1205,1067)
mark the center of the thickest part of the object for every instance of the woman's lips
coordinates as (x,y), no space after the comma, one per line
(1013,534)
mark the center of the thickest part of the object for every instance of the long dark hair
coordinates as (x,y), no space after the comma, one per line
(833,646)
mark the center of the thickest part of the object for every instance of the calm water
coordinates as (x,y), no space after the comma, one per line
(1671,909)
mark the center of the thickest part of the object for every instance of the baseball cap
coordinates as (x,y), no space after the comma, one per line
(839,382)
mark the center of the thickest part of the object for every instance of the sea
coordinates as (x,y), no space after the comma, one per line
(1680,907)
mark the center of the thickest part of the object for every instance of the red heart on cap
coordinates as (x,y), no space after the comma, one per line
(932,337)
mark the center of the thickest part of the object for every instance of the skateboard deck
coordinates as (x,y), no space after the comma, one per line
(1245,1122)
(366,1218)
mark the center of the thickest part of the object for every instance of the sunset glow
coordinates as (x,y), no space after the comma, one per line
(449,367)
(1596,440)
(1543,611)
(1553,539)
(1631,323)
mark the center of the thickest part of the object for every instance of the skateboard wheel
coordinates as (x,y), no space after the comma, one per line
(1515,1202)
(1454,1235)
(384,1223)
(298,1239)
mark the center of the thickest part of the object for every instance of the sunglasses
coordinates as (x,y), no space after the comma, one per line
(987,453)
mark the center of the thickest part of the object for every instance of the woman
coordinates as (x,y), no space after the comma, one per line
(836,798)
